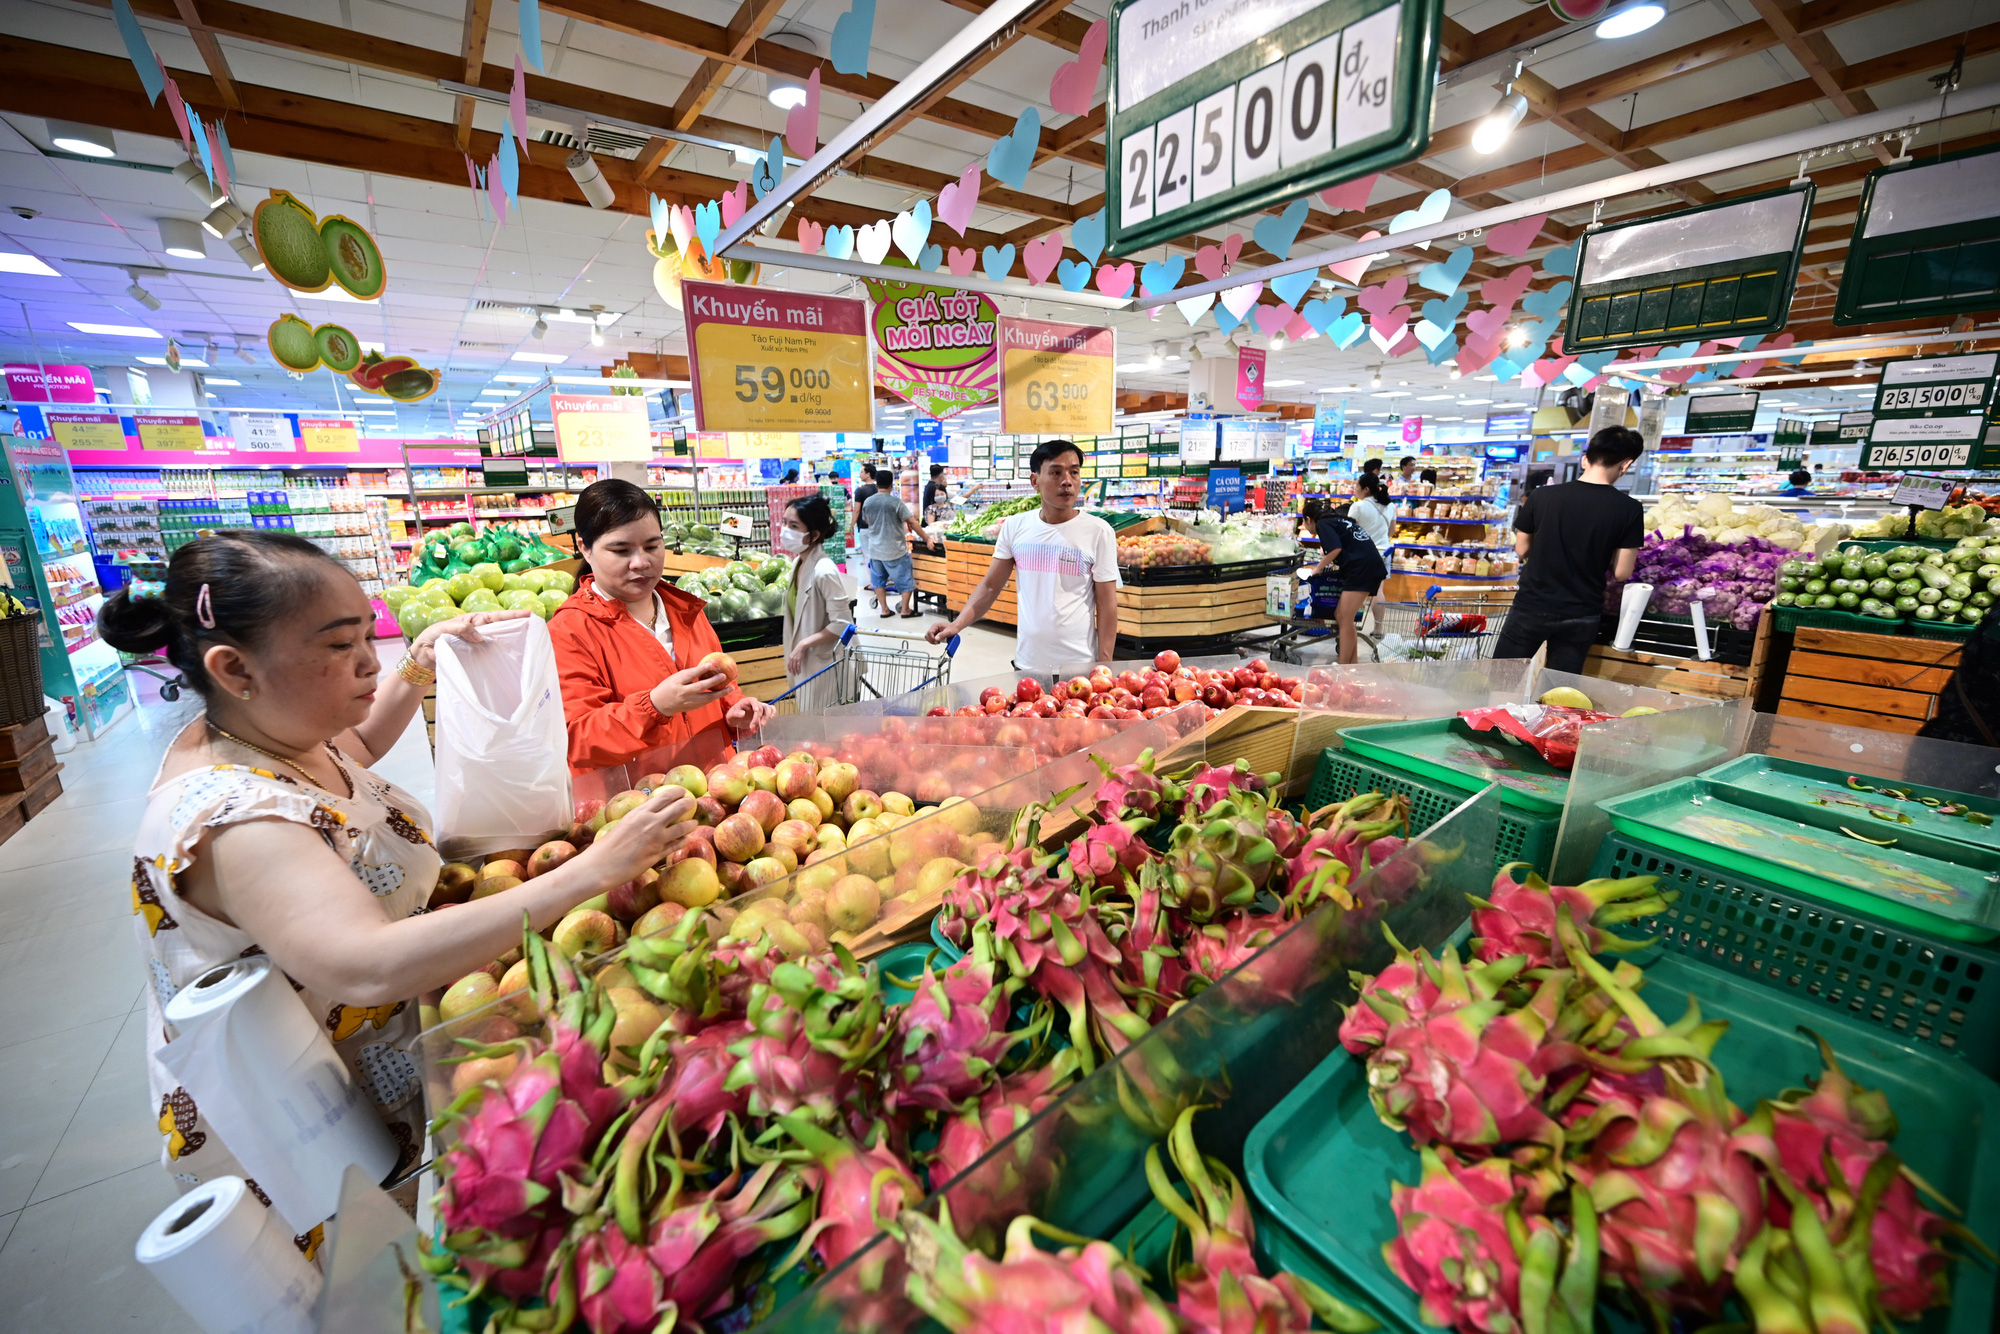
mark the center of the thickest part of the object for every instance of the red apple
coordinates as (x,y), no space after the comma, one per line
(1130,681)
(1166,660)
(1185,690)
(633,898)
(700,849)
(838,779)
(764,756)
(722,661)
(549,856)
(939,712)
(740,837)
(728,783)
(967,711)
(1215,697)
(1027,690)
(990,694)
(1079,687)
(1152,697)
(996,705)
(1046,707)
(767,808)
(709,811)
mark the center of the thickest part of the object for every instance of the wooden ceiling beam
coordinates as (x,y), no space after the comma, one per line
(1817,57)
(211,54)
(472,49)
(752,17)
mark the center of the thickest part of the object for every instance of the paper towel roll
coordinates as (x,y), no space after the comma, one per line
(1632,605)
(230,1262)
(268,1080)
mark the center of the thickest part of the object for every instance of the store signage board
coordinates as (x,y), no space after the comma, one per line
(1509,423)
(927,430)
(1825,431)
(765,360)
(1239,441)
(1329,427)
(1930,442)
(1219,110)
(50,384)
(601,428)
(1926,241)
(329,435)
(1198,443)
(1718,271)
(1225,489)
(1921,492)
(936,347)
(161,431)
(1056,379)
(1854,425)
(1936,386)
(86,430)
(262,432)
(1721,414)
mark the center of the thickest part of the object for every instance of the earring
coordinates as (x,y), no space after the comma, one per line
(246,694)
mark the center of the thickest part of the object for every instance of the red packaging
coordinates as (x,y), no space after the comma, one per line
(1551,729)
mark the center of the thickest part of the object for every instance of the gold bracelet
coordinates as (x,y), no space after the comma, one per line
(415,672)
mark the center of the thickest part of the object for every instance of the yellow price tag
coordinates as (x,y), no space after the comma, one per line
(1056,379)
(601,428)
(767,361)
(86,430)
(329,436)
(160,432)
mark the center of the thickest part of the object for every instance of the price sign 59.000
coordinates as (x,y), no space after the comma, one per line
(777,361)
(1220,108)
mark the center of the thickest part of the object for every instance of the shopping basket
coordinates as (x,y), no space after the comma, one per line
(859,672)
(1451,623)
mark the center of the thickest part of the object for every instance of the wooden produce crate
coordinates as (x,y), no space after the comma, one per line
(1190,611)
(1883,682)
(680,563)
(1685,676)
(760,672)
(933,572)
(17,808)
(966,564)
(18,740)
(23,774)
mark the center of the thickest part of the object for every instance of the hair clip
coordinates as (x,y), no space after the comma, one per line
(204,614)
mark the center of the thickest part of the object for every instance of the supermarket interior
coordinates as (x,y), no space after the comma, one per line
(1102,665)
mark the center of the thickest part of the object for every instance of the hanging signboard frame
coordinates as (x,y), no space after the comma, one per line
(1721,414)
(1926,240)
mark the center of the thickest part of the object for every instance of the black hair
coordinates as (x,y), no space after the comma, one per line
(816,516)
(1800,477)
(791,475)
(1372,465)
(1406,460)
(1614,444)
(937,470)
(1049,449)
(1428,475)
(611,503)
(254,578)
(883,477)
(1377,490)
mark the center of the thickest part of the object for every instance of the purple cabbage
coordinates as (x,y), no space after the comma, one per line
(1735,581)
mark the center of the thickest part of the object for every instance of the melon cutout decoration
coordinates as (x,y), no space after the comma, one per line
(673,264)
(310,254)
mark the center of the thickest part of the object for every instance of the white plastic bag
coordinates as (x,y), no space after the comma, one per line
(502,746)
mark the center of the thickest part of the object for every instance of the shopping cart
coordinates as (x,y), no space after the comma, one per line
(858,672)
(1450,623)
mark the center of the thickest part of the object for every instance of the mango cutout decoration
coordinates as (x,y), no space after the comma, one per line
(310,254)
(338,349)
(293,344)
(674,263)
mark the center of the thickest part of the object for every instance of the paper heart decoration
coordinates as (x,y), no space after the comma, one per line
(1350,270)
(997,263)
(872,241)
(961,262)
(1041,255)
(1226,320)
(733,204)
(768,170)
(1430,335)
(1073,274)
(1293,286)
(1596,361)
(1194,307)
(1349,195)
(1238,300)
(1548,306)
(1074,86)
(840,242)
(708,224)
(1444,276)
(1277,234)
(680,222)
(1232,246)
(1209,263)
(1474,356)
(1503,369)
(1162,275)
(1504,291)
(1390,326)
(1679,374)
(1087,235)
(1383,297)
(1299,327)
(1347,330)
(1405,345)
(911,228)
(802,121)
(1561,262)
(657,209)
(1323,312)
(1014,152)
(1577,373)
(1515,238)
(1442,351)
(810,235)
(1116,279)
(1271,319)
(1436,204)
(1444,311)
(853,34)
(956,201)
(1486,325)
(930,257)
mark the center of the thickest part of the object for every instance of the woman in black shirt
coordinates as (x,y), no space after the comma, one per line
(1354,557)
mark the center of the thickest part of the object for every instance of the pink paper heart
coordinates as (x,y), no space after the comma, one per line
(1232,246)
(1515,238)
(1505,291)
(1474,356)
(1406,344)
(1350,270)
(955,202)
(1116,279)
(810,235)
(802,121)
(1074,86)
(1548,368)
(1391,325)
(1299,327)
(1348,195)
(1238,300)
(733,203)
(1383,296)
(1040,256)
(1270,319)
(1485,325)
(1209,263)
(959,261)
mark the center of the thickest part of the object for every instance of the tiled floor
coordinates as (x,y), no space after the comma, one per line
(79,1148)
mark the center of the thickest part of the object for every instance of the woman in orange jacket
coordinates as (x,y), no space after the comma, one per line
(630,648)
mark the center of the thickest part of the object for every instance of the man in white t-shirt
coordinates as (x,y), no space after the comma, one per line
(1066,568)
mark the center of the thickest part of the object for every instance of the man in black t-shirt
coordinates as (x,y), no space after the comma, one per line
(1571,536)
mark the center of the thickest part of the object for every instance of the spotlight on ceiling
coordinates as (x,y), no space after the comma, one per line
(245,355)
(1375,381)
(1156,357)
(597,191)
(596,336)
(88,140)
(189,173)
(1279,341)
(225,219)
(541,327)
(781,90)
(1498,124)
(1628,19)
(246,250)
(181,237)
(141,295)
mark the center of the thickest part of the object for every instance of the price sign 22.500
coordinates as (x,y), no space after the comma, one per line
(1221,108)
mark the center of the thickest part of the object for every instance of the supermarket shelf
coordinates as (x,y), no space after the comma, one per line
(1448,546)
(1472,578)
(1491,518)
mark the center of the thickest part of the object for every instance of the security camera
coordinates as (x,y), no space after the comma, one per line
(26,214)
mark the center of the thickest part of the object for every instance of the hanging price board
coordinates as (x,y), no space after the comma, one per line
(158,431)
(1936,386)
(261,432)
(1056,379)
(777,361)
(1721,414)
(322,435)
(86,430)
(1218,110)
(601,428)
(1924,240)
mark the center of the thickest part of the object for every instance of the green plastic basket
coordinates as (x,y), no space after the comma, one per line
(1522,837)
(1792,618)
(1938,995)
(1318,1166)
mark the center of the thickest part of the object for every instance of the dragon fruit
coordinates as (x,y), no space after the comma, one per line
(1521,918)
(1108,856)
(1218,864)
(1214,951)
(815,1026)
(698,1247)
(1133,790)
(978,891)
(862,1187)
(618,1291)
(1207,785)
(697,1084)
(1005,1186)
(1452,1245)
(1087,1285)
(1343,842)
(951,1037)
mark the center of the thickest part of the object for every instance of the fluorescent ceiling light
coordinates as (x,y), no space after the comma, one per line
(195,362)
(116,330)
(518,379)
(335,293)
(85,139)
(26,264)
(215,379)
(569,315)
(1433,398)
(1391,393)
(1472,402)
(496,393)
(1626,20)
(1281,384)
(542,358)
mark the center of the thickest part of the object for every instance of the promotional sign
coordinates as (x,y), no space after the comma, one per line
(1239,441)
(1198,442)
(934,347)
(86,430)
(261,432)
(1928,442)
(1926,493)
(50,384)
(927,430)
(1225,489)
(1923,241)
(1854,425)
(1721,414)
(1329,427)
(601,428)
(776,361)
(329,435)
(168,432)
(1056,379)
(1250,378)
(1930,412)
(1217,111)
(1509,423)
(1413,430)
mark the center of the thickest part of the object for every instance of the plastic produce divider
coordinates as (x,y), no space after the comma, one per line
(1868,754)
(1237,1048)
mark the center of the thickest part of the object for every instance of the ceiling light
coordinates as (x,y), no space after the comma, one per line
(544,358)
(1472,402)
(223,219)
(335,292)
(496,393)
(1507,114)
(208,350)
(26,264)
(142,296)
(245,355)
(246,250)
(750,157)
(85,139)
(596,336)
(1392,393)
(1375,380)
(518,379)
(1156,358)
(190,174)
(217,379)
(1433,398)
(1279,341)
(1281,384)
(195,362)
(115,330)
(782,90)
(541,327)
(1631,18)
(597,191)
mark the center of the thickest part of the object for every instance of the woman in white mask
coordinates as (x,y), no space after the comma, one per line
(818,608)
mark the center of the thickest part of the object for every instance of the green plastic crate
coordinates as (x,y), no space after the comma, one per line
(1522,837)
(1792,618)
(1933,994)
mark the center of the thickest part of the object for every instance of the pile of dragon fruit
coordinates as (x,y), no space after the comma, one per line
(1575,1145)
(784,1110)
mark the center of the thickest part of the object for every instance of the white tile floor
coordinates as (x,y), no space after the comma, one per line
(79,1145)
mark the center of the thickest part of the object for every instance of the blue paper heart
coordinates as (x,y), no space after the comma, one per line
(1226,321)
(1162,275)
(1577,373)
(1503,369)
(998,263)
(1319,314)
(1596,361)
(1347,330)
(769,169)
(1293,286)
(1562,262)
(1436,204)
(1699,376)
(1798,350)
(1013,153)
(1445,276)
(840,242)
(853,34)
(931,256)
(1446,349)
(1444,311)
(1548,305)
(1073,274)
(1087,234)
(707,222)
(1686,349)
(661,210)
(1277,234)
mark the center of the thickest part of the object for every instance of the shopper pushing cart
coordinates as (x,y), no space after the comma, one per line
(861,671)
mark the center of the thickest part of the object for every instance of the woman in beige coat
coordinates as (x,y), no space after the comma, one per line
(818,609)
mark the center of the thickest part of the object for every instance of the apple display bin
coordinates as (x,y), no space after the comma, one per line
(1319,1165)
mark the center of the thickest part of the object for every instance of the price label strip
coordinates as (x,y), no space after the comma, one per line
(1220,110)
(601,428)
(1056,379)
(777,361)
(86,430)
